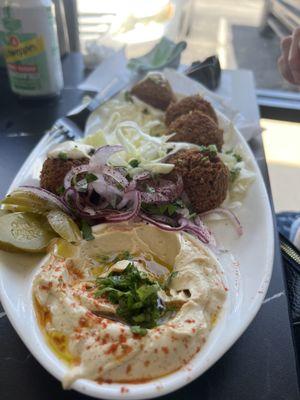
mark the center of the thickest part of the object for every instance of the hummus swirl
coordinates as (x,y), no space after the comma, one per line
(104,349)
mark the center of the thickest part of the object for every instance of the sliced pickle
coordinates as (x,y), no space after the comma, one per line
(29,201)
(24,232)
(18,208)
(61,248)
(62,224)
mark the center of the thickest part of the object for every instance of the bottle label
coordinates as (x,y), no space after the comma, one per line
(25,56)
(21,50)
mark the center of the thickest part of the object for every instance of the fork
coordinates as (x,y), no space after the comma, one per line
(73,125)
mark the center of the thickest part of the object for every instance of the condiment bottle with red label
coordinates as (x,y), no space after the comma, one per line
(28,37)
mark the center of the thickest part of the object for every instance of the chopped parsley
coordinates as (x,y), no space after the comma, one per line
(138,330)
(134,163)
(89,177)
(237,157)
(135,295)
(86,231)
(234,173)
(163,209)
(210,149)
(128,97)
(63,156)
(82,185)
(61,190)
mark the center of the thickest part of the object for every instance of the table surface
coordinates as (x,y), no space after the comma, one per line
(260,365)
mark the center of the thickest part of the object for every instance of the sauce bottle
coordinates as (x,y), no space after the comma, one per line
(29,39)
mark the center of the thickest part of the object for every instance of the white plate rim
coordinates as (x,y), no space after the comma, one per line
(150,389)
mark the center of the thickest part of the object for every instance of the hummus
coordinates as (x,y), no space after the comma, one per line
(85,331)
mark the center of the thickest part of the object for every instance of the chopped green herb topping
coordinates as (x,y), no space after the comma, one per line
(128,97)
(63,156)
(211,150)
(237,157)
(61,190)
(164,209)
(86,231)
(89,177)
(234,173)
(82,185)
(136,296)
(138,330)
(229,151)
(134,163)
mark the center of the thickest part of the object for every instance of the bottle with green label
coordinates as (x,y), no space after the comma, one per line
(28,37)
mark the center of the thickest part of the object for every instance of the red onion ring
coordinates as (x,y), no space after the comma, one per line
(102,154)
(73,172)
(232,217)
(105,189)
(141,176)
(115,174)
(125,216)
(206,232)
(166,192)
(127,197)
(185,225)
(200,233)
(161,225)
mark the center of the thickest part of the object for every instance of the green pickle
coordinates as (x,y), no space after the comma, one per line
(20,200)
(64,226)
(24,232)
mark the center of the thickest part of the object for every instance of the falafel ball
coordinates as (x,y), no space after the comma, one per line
(197,128)
(154,90)
(54,171)
(205,178)
(187,104)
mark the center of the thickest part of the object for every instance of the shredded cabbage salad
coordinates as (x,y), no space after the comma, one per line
(126,107)
(128,126)
(140,129)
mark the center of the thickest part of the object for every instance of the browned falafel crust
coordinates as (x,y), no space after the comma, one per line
(155,91)
(54,171)
(205,178)
(187,104)
(196,128)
